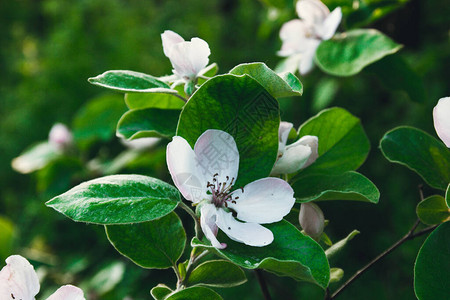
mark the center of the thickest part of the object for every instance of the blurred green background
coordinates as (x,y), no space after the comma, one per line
(48,50)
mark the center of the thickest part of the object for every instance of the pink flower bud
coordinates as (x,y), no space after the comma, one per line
(311,219)
(60,137)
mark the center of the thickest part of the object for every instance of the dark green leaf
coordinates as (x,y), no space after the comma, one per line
(195,293)
(420,152)
(35,158)
(148,122)
(153,100)
(154,244)
(433,210)
(347,186)
(244,109)
(431,271)
(217,273)
(447,195)
(160,292)
(117,199)
(290,254)
(348,53)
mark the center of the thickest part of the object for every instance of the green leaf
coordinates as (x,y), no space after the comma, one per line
(244,109)
(117,199)
(97,119)
(207,72)
(35,158)
(431,276)
(337,247)
(348,53)
(347,186)
(130,81)
(324,93)
(148,122)
(283,85)
(336,275)
(282,4)
(420,152)
(217,273)
(107,278)
(447,195)
(433,210)
(153,100)
(194,293)
(160,292)
(154,244)
(290,254)
(7,235)
(343,145)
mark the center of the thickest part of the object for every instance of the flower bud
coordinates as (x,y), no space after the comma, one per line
(311,219)
(60,137)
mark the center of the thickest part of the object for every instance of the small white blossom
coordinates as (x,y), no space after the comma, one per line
(206,175)
(311,219)
(441,118)
(60,137)
(301,37)
(295,156)
(18,280)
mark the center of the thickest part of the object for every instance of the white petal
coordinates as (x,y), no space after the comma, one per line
(330,24)
(307,59)
(208,218)
(18,279)
(184,170)
(170,38)
(189,58)
(217,153)
(60,136)
(266,200)
(311,219)
(293,34)
(312,11)
(251,234)
(67,292)
(283,134)
(441,118)
(313,143)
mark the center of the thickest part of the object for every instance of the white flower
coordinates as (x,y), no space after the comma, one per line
(311,219)
(302,37)
(296,156)
(206,176)
(60,137)
(18,280)
(187,58)
(441,118)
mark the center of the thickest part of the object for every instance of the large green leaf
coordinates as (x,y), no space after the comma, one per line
(130,81)
(431,271)
(347,186)
(420,152)
(117,199)
(217,273)
(35,158)
(154,244)
(433,210)
(348,53)
(153,100)
(290,254)
(148,122)
(343,145)
(283,85)
(240,106)
(194,293)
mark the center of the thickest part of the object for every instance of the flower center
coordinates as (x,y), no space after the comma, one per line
(221,191)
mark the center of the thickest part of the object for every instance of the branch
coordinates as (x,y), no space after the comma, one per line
(263,284)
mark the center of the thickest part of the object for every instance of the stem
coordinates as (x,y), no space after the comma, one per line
(177,272)
(198,232)
(181,97)
(193,260)
(263,284)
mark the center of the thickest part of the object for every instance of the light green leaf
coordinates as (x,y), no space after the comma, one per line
(431,271)
(35,158)
(282,85)
(324,92)
(117,199)
(420,152)
(154,244)
(290,254)
(107,278)
(337,247)
(433,210)
(348,53)
(194,293)
(160,292)
(7,235)
(130,81)
(217,273)
(336,275)
(347,186)
(153,100)
(242,107)
(148,122)
(207,72)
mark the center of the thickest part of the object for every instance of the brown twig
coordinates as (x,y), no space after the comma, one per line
(263,284)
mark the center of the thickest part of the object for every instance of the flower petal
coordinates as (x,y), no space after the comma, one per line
(251,234)
(313,143)
(170,38)
(307,59)
(441,118)
(293,35)
(283,134)
(312,12)
(266,200)
(18,279)
(185,172)
(331,23)
(217,153)
(208,217)
(189,58)
(67,292)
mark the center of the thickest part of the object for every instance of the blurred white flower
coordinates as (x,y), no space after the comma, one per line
(311,219)
(301,37)
(295,156)
(18,280)
(441,118)
(60,137)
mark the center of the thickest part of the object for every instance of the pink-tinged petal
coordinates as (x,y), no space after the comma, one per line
(307,59)
(263,201)
(67,292)
(18,280)
(441,118)
(170,38)
(283,134)
(184,169)
(312,12)
(217,153)
(293,159)
(293,34)
(311,219)
(189,58)
(208,218)
(251,234)
(313,143)
(330,24)
(60,136)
